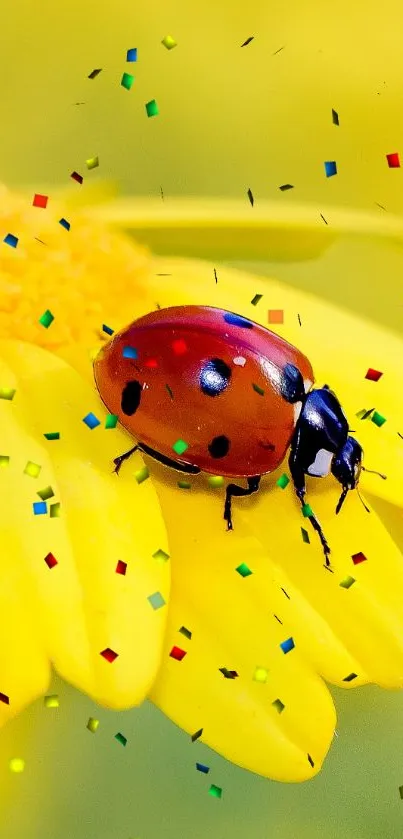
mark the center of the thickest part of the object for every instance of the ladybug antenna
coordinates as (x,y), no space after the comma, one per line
(372,472)
(363,502)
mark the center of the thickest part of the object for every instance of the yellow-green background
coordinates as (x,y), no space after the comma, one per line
(230,119)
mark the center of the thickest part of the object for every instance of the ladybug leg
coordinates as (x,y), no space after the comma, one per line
(316,526)
(237,491)
(119,460)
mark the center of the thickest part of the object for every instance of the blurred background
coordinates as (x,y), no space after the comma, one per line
(230,119)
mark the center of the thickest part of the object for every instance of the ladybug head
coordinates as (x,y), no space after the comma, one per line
(346,467)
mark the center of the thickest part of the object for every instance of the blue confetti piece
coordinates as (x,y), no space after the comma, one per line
(64,223)
(156,600)
(202,768)
(107,329)
(129,352)
(131,55)
(330,168)
(287,645)
(11,240)
(237,320)
(40,508)
(91,420)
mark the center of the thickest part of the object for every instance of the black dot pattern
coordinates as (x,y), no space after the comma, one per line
(219,446)
(237,320)
(131,395)
(214,377)
(292,384)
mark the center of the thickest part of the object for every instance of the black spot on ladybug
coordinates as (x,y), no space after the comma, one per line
(292,384)
(214,377)
(219,446)
(237,320)
(131,396)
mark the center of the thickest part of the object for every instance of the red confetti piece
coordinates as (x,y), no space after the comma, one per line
(151,362)
(357,558)
(373,375)
(393,160)
(109,655)
(276,315)
(40,201)
(77,177)
(50,560)
(4,698)
(177,653)
(179,347)
(121,567)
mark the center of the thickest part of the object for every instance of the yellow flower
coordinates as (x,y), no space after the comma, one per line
(227,601)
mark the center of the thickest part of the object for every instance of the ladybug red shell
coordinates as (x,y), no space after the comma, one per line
(228,388)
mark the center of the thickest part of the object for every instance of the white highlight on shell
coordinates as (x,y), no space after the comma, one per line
(322,463)
(307,385)
(239,361)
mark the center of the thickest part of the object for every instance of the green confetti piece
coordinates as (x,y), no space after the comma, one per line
(54,510)
(184,485)
(256,299)
(350,677)
(51,701)
(92,725)
(152,108)
(111,421)
(52,435)
(186,632)
(160,555)
(17,765)
(92,162)
(142,475)
(401,792)
(156,600)
(378,419)
(121,738)
(32,469)
(278,705)
(169,42)
(361,414)
(307,510)
(46,319)
(4,460)
(215,791)
(180,446)
(260,675)
(283,481)
(216,481)
(258,389)
(127,81)
(7,393)
(243,570)
(347,582)
(46,493)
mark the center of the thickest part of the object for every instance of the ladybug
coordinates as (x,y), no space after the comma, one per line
(205,390)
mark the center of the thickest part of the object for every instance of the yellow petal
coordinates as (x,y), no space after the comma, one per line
(83,606)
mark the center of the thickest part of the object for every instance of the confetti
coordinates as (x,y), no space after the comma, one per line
(121,738)
(94,73)
(184,485)
(92,162)
(40,508)
(4,460)
(215,791)
(50,560)
(186,632)
(46,319)
(287,645)
(202,768)
(156,600)
(196,735)
(285,187)
(40,201)
(251,198)
(180,447)
(228,674)
(330,168)
(258,389)
(256,299)
(276,316)
(248,40)
(17,765)
(323,218)
(7,393)
(121,567)
(152,108)
(32,469)
(107,329)
(46,493)
(215,275)
(373,375)
(169,391)
(109,655)
(111,421)
(177,653)
(307,510)
(169,42)
(64,223)
(359,557)
(77,177)
(131,55)
(401,792)
(11,240)
(283,481)
(52,435)
(350,677)
(4,698)
(129,352)
(239,361)
(378,419)
(260,675)
(179,346)
(243,570)
(347,582)
(51,701)
(286,593)
(92,725)
(127,81)
(54,510)
(142,475)
(216,481)
(305,536)
(277,51)
(91,421)
(278,705)
(335,117)
(299,320)
(393,160)
(310,760)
